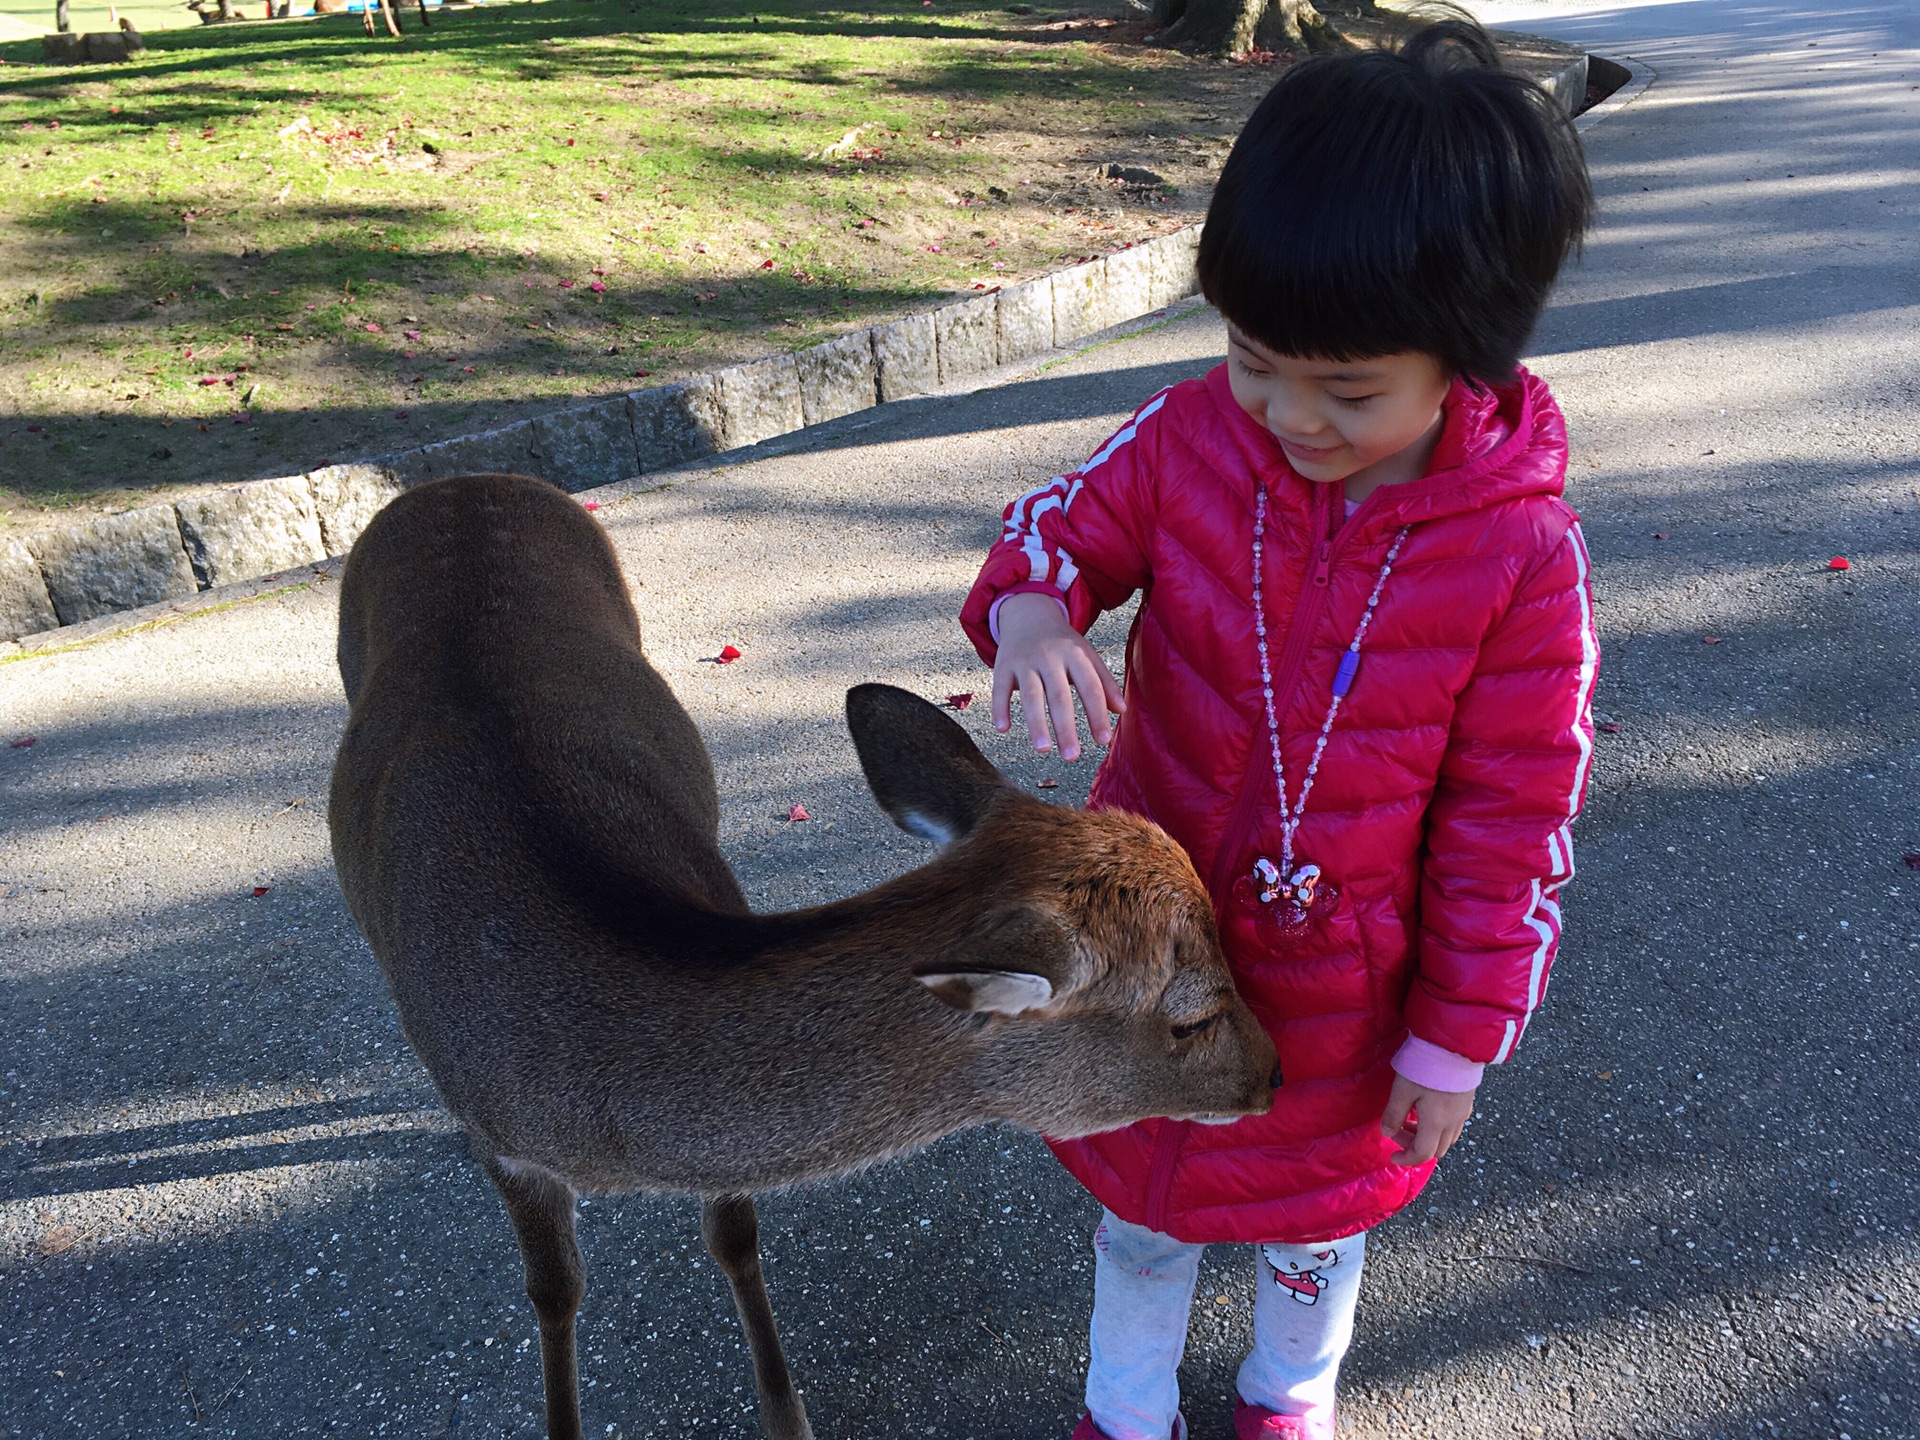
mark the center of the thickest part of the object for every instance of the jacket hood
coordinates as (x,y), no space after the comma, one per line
(1498,443)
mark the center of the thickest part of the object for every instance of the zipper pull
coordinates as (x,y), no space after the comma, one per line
(1323,561)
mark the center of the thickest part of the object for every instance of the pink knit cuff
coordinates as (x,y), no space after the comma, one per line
(1426,1064)
(1030,587)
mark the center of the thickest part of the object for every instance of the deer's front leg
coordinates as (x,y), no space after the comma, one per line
(541,1209)
(732,1234)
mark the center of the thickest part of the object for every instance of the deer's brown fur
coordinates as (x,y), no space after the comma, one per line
(525,826)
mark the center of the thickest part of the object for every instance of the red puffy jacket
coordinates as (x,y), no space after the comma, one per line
(1441,808)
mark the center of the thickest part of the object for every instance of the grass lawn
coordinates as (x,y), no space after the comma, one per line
(259,247)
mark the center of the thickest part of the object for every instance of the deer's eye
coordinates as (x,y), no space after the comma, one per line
(1188,1029)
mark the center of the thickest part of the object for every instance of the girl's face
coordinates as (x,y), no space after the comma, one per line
(1365,422)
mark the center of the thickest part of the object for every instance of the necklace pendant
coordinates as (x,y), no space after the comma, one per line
(1283,902)
(1281,899)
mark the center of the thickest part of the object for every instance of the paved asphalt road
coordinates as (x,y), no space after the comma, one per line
(229,1205)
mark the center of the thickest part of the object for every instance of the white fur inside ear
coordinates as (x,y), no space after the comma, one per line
(914,823)
(998,992)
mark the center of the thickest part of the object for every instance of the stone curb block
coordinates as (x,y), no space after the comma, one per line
(346,497)
(510,448)
(676,423)
(838,378)
(1025,317)
(120,562)
(1126,289)
(259,528)
(966,337)
(1175,267)
(760,400)
(25,606)
(904,357)
(1078,301)
(589,445)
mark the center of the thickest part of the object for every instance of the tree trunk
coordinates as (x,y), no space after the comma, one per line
(62,21)
(1233,27)
(226,10)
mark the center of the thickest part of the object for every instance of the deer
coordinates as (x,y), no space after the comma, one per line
(525,822)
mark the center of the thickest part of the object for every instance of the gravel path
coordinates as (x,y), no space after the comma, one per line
(230,1206)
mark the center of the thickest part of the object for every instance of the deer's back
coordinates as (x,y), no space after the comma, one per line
(524,818)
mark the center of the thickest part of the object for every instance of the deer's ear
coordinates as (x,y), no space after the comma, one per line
(997,992)
(925,772)
(1019,961)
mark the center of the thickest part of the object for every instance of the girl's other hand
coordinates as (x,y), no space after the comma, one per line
(1424,1123)
(1046,660)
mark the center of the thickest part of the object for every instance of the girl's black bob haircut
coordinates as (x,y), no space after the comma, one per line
(1413,198)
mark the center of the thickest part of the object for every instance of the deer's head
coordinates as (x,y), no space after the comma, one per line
(1081,943)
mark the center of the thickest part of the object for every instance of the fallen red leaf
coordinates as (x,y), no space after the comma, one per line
(399,414)
(766,264)
(1709,639)
(260,890)
(597,287)
(1046,784)
(1912,860)
(1610,727)
(412,334)
(727,655)
(797,813)
(961,701)
(24,742)
(641,374)
(371,328)
(1839,562)
(589,504)
(1659,534)
(566,284)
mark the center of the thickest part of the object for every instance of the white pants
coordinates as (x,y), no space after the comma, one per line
(1142,1289)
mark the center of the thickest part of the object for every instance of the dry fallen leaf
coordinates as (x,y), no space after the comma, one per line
(58,1240)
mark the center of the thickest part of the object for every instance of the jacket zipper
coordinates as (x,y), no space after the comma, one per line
(1172,1138)
(1166,1151)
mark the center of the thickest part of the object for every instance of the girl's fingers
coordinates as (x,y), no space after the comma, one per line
(1115,697)
(1088,674)
(1033,704)
(1002,698)
(1060,704)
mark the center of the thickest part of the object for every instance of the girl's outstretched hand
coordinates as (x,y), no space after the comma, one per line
(1437,1118)
(1046,660)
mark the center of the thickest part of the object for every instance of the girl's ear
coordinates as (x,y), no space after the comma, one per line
(925,772)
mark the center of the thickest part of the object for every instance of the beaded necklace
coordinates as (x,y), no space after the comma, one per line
(1297,888)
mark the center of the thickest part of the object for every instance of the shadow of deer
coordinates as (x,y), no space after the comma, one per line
(525,826)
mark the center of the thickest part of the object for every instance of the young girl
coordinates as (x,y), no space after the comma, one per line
(1358,686)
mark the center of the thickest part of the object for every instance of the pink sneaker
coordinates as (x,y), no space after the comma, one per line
(1087,1430)
(1255,1422)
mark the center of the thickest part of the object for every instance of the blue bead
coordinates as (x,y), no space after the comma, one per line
(1343,677)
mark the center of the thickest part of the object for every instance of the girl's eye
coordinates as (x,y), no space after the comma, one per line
(1356,401)
(1257,374)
